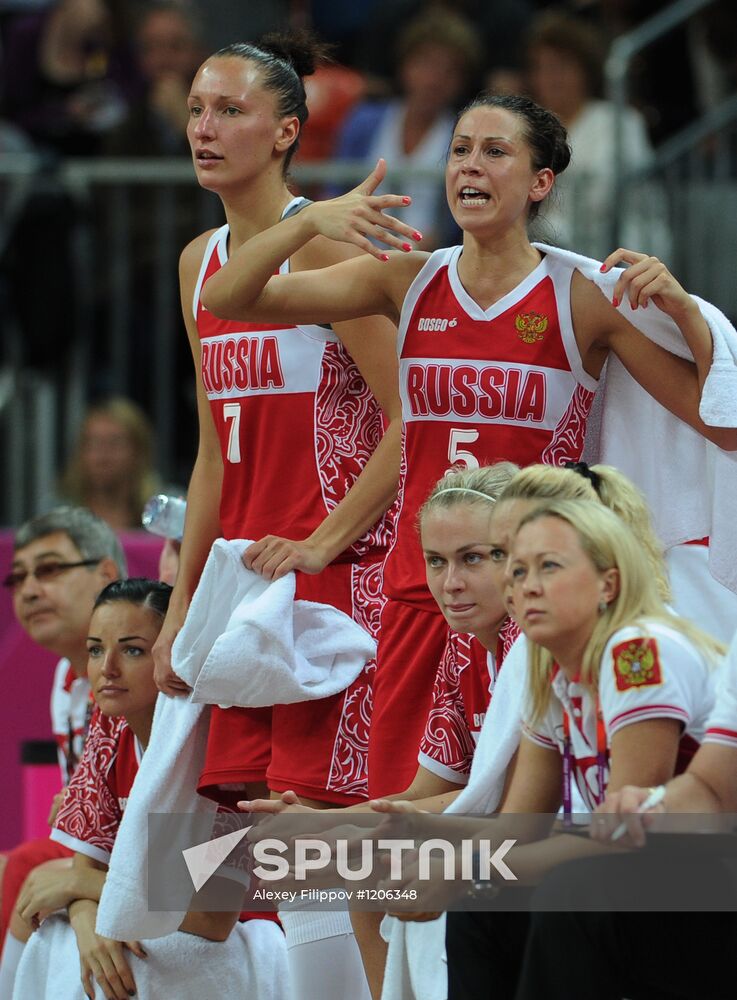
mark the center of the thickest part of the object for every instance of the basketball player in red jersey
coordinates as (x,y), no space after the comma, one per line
(299,435)
(500,347)
(291,448)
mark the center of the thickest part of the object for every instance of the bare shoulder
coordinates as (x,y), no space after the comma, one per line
(585,294)
(191,257)
(594,317)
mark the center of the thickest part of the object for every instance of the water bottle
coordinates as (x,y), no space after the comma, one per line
(164,515)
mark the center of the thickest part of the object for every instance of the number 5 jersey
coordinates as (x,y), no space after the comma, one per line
(480,386)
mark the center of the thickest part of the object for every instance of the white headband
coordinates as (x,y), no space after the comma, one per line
(465,489)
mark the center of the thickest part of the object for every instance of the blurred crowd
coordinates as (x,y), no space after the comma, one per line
(97,77)
(109,78)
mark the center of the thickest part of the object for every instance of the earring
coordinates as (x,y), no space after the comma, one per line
(603,605)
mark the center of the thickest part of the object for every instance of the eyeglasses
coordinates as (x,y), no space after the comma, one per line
(44,572)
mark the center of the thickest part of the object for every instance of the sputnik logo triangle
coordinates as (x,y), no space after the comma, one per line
(203,860)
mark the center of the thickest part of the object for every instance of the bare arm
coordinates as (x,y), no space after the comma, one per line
(371,342)
(372,284)
(427,793)
(534,789)
(101,958)
(708,786)
(202,525)
(644,752)
(49,888)
(674,382)
(212,925)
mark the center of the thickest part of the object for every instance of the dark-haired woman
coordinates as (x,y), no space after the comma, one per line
(500,347)
(291,452)
(125,623)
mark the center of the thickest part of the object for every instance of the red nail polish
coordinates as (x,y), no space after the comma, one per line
(416,236)
(385,256)
(406,200)
(406,247)
(615,302)
(603,267)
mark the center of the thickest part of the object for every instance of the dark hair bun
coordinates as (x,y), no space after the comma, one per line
(560,154)
(299,47)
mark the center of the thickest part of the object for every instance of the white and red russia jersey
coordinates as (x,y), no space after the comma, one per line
(90,816)
(95,800)
(647,672)
(463,689)
(482,386)
(722,723)
(71,708)
(296,421)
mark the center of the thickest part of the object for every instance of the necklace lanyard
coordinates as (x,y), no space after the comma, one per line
(602,763)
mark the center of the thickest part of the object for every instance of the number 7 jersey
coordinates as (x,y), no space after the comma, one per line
(481,386)
(295,419)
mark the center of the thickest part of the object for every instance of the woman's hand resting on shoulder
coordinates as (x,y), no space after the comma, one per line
(647,279)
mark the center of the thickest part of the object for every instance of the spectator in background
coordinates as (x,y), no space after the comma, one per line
(61,562)
(67,74)
(438,56)
(161,217)
(565,60)
(498,26)
(332,91)
(168,50)
(65,78)
(111,469)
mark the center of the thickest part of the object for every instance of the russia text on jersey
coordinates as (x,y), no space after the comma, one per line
(476,390)
(240,364)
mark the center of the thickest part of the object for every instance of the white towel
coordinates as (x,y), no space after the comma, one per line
(166,783)
(697,595)
(252,962)
(689,483)
(416,965)
(248,642)
(245,641)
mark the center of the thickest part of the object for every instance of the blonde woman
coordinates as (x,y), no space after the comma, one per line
(420,946)
(617,687)
(111,470)
(465,575)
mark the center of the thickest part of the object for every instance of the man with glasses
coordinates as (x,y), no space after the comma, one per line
(61,562)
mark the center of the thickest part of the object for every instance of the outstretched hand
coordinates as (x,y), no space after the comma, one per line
(648,279)
(360,215)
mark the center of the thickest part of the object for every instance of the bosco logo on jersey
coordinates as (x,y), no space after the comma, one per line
(435,323)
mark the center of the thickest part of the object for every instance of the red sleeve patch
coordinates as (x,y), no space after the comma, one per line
(636,664)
